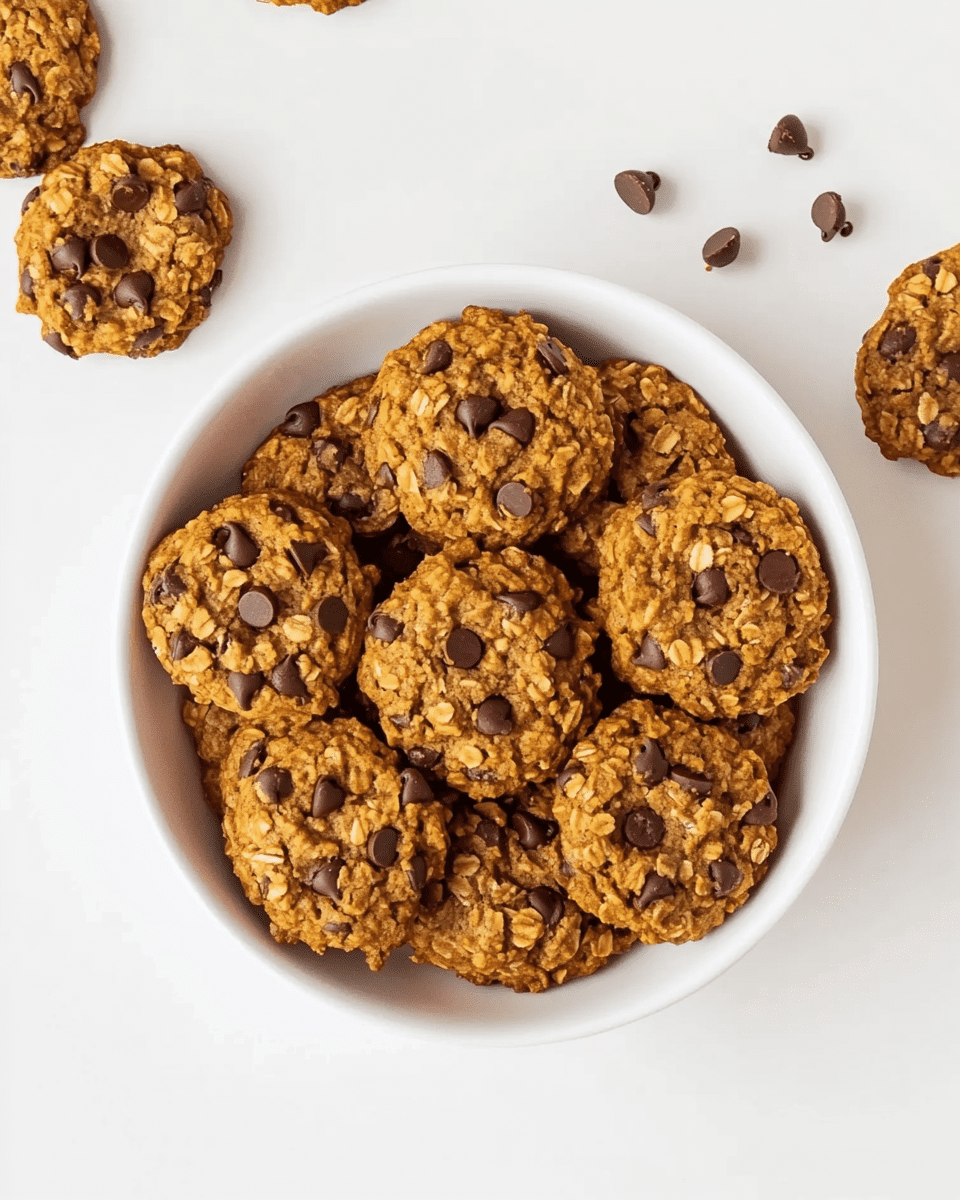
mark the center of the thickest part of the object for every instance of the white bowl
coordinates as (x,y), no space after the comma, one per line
(348,337)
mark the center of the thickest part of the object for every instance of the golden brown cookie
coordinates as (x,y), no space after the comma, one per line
(908,368)
(711,592)
(769,737)
(120,250)
(258,605)
(326,834)
(667,823)
(581,538)
(212,729)
(49,50)
(492,429)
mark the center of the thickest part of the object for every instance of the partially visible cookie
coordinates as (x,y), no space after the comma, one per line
(769,737)
(258,605)
(667,823)
(49,50)
(326,834)
(322,6)
(581,538)
(316,451)
(212,729)
(120,250)
(908,368)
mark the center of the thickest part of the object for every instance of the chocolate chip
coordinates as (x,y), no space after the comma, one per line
(691,781)
(336,926)
(566,775)
(437,357)
(275,783)
(637,189)
(655,494)
(284,512)
(417,874)
(480,774)
(949,364)
(645,522)
(532,832)
(56,341)
(190,197)
(351,506)
(386,476)
(778,572)
(492,834)
(552,356)
(561,645)
(70,257)
(741,536)
(24,82)
(257,607)
(725,875)
(245,687)
(655,887)
(135,291)
(423,756)
(285,678)
(931,268)
(940,436)
(790,137)
(181,644)
(437,469)
(522,602)
(75,299)
(328,796)
(167,586)
(108,250)
(324,879)
(790,675)
(710,588)
(518,423)
(476,412)
(26,282)
(464,648)
(830,217)
(548,903)
(252,761)
(234,541)
(644,829)
(331,454)
(401,720)
(129,193)
(382,847)
(721,248)
(414,789)
(745,723)
(495,716)
(649,762)
(897,341)
(29,199)
(515,499)
(306,556)
(384,628)
(649,655)
(146,337)
(332,615)
(764,812)
(301,420)
(724,666)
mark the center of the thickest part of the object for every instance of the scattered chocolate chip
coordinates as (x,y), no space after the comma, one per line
(492,834)
(56,341)
(70,257)
(464,648)
(655,887)
(129,193)
(724,666)
(522,602)
(26,282)
(24,82)
(437,357)
(764,812)
(417,873)
(518,423)
(790,137)
(552,356)
(721,248)
(691,781)
(655,494)
(108,250)
(561,645)
(437,469)
(336,926)
(252,761)
(476,412)
(135,291)
(384,628)
(301,420)
(382,847)
(275,783)
(495,716)
(328,796)
(649,655)
(645,522)
(649,762)
(741,536)
(331,454)
(533,832)
(830,217)
(284,512)
(414,789)
(515,499)
(324,879)
(566,775)
(332,615)
(710,588)
(190,197)
(181,644)
(146,337)
(897,341)
(644,829)
(637,189)
(940,436)
(548,903)
(423,756)
(285,678)
(75,299)
(725,875)
(778,572)
(257,607)
(234,541)
(385,476)
(306,556)
(245,687)
(29,199)
(949,364)
(931,268)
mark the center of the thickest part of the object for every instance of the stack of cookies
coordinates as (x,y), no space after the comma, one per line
(493,654)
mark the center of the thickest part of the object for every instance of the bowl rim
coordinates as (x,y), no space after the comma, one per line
(859,608)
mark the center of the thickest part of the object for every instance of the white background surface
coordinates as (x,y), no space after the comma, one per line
(145,1053)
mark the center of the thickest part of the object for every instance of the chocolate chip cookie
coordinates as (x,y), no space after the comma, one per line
(329,837)
(908,368)
(120,250)
(769,737)
(316,451)
(492,429)
(502,914)
(711,591)
(49,50)
(667,823)
(258,605)
(479,667)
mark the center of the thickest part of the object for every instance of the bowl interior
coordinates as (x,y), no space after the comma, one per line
(349,337)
